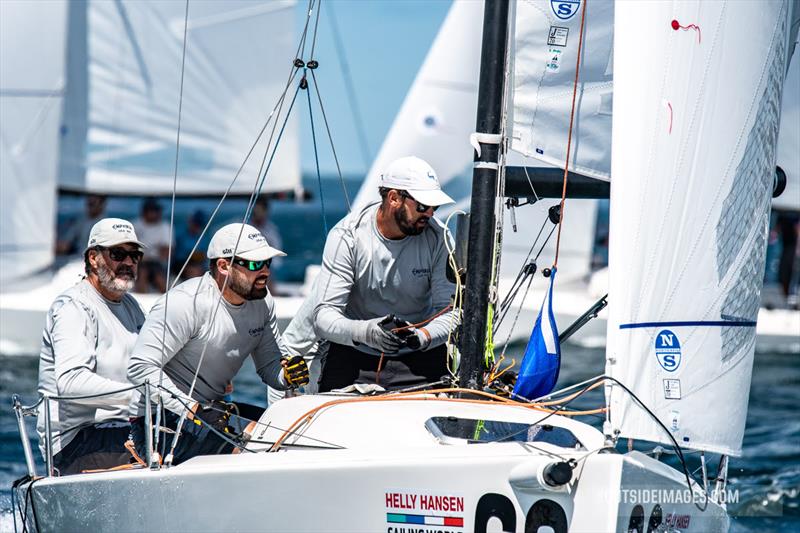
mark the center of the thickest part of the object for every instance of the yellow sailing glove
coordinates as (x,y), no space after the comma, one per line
(295,371)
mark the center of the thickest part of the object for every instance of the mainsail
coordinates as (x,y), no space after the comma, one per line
(124,86)
(696,119)
(31,93)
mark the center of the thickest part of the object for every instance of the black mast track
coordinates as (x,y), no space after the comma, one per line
(484,186)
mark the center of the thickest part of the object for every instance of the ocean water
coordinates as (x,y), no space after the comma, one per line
(766,477)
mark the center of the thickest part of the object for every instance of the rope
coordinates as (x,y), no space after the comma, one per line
(569,134)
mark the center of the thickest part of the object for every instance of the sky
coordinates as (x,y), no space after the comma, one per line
(384,44)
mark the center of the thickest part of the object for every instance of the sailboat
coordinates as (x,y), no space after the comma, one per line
(89,106)
(461,459)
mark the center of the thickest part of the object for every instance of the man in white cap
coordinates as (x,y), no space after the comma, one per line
(383,268)
(90,331)
(198,335)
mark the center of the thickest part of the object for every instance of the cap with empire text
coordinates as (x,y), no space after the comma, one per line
(241,240)
(418,178)
(112,231)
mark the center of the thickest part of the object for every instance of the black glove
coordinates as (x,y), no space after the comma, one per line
(295,371)
(216,415)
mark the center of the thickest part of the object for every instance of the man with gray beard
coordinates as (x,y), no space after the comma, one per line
(198,335)
(90,331)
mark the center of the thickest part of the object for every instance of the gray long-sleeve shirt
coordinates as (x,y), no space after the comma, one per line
(365,275)
(85,347)
(235,333)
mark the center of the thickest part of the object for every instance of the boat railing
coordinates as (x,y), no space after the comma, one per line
(44,402)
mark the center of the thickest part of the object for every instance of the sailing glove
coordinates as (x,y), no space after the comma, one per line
(295,371)
(376,334)
(418,338)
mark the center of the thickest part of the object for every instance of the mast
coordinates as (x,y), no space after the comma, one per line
(484,187)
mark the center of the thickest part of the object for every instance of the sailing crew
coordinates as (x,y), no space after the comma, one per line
(383,269)
(89,333)
(198,335)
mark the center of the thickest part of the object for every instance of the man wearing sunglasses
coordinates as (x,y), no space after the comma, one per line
(89,333)
(198,335)
(387,259)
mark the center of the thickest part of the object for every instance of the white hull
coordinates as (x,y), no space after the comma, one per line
(389,463)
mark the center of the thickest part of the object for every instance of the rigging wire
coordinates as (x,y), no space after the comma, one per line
(316,160)
(330,139)
(159,405)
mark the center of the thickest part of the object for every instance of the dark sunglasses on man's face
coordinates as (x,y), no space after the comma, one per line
(421,208)
(252,266)
(119,254)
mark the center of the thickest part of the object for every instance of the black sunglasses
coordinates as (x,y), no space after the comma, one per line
(421,208)
(252,266)
(119,254)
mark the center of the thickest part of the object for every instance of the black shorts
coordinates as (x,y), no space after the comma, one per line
(94,448)
(346,365)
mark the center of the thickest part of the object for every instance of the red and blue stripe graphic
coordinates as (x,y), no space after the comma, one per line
(397,518)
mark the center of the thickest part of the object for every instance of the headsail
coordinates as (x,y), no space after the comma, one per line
(31,92)
(695,129)
(124,86)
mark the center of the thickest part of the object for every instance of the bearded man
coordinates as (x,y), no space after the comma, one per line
(383,269)
(198,335)
(90,331)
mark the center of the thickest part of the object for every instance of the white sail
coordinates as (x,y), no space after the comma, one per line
(32,38)
(696,119)
(545,49)
(121,113)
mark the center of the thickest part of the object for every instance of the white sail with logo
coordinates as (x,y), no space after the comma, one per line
(545,50)
(32,37)
(695,130)
(121,113)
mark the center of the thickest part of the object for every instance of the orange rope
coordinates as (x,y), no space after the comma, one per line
(415,396)
(569,135)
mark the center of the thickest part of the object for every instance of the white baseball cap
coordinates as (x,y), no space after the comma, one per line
(253,246)
(112,231)
(416,177)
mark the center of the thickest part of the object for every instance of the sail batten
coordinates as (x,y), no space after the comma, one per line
(694,144)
